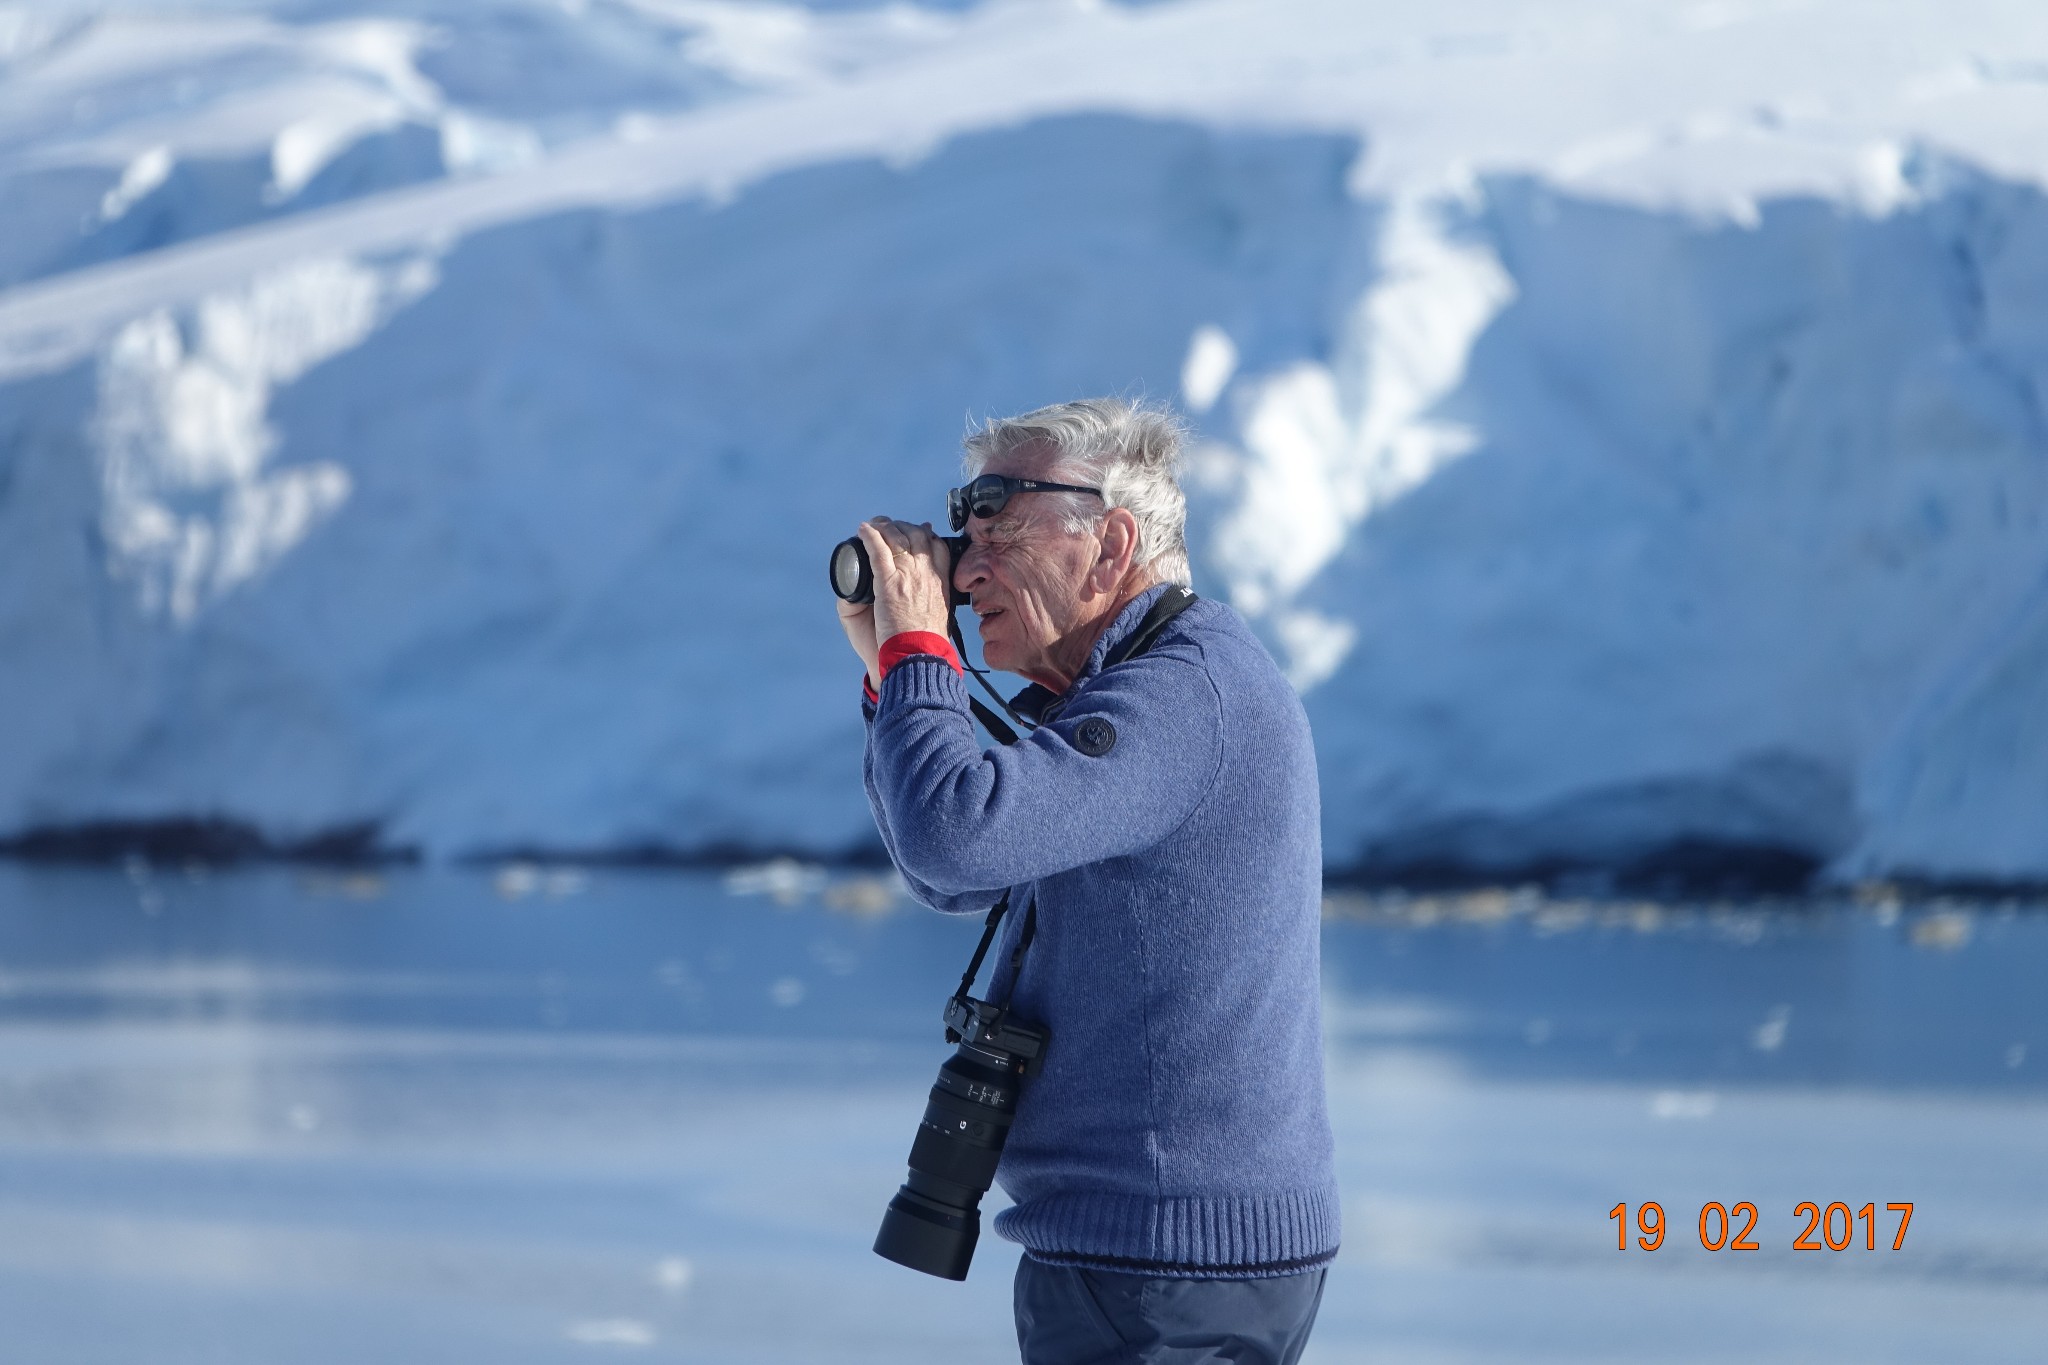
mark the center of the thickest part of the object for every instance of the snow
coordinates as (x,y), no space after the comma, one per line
(143,176)
(175,426)
(1621,420)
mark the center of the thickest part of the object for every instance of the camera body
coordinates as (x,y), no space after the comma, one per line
(853,576)
(990,1026)
(934,1221)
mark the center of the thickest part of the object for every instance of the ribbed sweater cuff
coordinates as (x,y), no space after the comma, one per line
(923,680)
(1217,1237)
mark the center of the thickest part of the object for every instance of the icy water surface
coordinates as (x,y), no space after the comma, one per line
(521,1115)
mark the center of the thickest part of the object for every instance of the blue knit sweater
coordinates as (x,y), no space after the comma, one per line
(1178,1126)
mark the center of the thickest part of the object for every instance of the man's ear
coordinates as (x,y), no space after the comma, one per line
(1119,549)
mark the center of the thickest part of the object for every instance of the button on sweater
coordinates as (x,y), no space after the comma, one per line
(1165,819)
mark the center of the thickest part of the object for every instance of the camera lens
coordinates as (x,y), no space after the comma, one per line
(935,1219)
(853,578)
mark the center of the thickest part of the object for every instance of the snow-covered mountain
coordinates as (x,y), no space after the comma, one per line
(1623,421)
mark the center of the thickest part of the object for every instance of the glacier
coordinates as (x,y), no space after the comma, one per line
(1625,427)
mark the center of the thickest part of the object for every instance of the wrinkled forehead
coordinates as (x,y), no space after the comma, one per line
(1027,460)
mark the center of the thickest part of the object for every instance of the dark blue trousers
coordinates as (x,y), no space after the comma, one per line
(1069,1316)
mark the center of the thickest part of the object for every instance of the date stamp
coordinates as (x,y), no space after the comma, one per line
(1724,1227)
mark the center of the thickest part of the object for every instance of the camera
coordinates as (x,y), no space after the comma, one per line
(935,1219)
(853,577)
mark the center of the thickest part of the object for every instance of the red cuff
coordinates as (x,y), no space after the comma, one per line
(909,643)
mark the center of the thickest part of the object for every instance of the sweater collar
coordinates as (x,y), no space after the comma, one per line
(1039,704)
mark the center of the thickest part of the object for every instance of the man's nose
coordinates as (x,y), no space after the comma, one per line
(967,570)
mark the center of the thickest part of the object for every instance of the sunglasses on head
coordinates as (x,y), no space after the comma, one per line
(990,493)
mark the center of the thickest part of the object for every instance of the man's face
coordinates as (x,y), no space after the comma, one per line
(1026,576)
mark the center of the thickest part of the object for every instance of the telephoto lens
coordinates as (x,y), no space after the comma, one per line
(935,1219)
(853,577)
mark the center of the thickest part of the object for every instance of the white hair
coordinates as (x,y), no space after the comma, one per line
(1131,451)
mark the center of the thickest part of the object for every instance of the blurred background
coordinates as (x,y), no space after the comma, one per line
(440,918)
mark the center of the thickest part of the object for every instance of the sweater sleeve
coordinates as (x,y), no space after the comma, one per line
(963,903)
(1122,767)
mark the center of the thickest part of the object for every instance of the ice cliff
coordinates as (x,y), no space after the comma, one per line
(1626,428)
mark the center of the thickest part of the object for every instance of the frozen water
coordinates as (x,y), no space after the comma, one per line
(268,1116)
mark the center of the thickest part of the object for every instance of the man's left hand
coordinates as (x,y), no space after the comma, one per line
(912,567)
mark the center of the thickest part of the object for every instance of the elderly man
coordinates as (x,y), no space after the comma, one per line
(1171,1164)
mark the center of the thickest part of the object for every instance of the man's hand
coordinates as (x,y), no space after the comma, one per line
(912,568)
(857,619)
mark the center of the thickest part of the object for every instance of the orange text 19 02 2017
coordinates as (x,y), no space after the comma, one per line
(1723,1227)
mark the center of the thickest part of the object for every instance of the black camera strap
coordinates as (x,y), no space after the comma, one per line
(998,731)
(991,722)
(988,936)
(1171,603)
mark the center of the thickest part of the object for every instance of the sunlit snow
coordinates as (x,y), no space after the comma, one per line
(1620,420)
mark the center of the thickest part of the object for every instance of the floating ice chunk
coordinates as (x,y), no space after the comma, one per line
(355,886)
(865,895)
(611,1332)
(785,879)
(1944,931)
(1212,359)
(1682,1104)
(516,881)
(1563,918)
